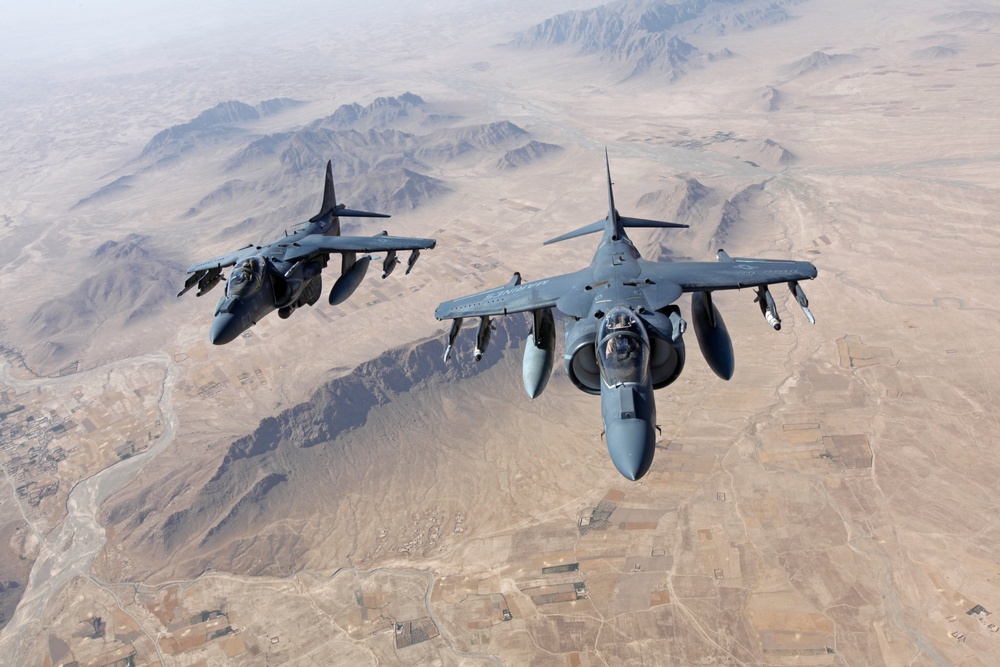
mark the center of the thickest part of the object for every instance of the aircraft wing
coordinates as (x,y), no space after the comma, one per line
(317,243)
(510,298)
(224,260)
(730,274)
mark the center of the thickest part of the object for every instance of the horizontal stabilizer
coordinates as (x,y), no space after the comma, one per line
(589,229)
(625,222)
(330,205)
(350,213)
(642,222)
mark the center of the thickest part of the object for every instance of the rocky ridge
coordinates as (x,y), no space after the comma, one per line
(219,122)
(307,458)
(768,153)
(817,61)
(652,35)
(770,99)
(715,217)
(733,212)
(129,282)
(526,154)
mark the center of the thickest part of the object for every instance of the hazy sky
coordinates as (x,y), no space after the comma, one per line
(59,30)
(47,28)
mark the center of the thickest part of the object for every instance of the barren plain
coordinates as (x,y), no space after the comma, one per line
(326,490)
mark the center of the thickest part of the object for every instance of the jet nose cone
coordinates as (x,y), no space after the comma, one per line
(225,328)
(631,443)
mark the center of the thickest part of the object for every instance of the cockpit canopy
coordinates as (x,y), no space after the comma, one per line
(622,348)
(247,277)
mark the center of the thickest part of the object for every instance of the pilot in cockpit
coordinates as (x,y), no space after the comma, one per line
(621,347)
(245,277)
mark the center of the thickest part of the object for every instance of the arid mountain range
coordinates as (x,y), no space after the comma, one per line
(649,36)
(326,489)
(383,154)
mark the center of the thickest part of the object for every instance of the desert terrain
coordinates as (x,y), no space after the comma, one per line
(328,490)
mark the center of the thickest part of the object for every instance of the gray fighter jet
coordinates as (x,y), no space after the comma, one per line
(623,336)
(285,274)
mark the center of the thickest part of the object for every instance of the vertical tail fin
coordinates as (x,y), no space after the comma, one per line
(613,225)
(330,207)
(329,196)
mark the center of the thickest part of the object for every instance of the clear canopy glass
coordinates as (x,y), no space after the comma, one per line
(246,277)
(622,348)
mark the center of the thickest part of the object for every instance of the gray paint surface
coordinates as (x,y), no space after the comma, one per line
(286,274)
(619,285)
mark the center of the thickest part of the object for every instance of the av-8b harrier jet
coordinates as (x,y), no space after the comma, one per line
(623,332)
(286,273)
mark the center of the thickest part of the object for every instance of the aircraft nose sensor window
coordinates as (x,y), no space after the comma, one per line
(623,350)
(246,277)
